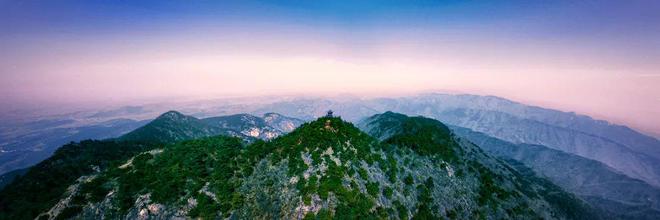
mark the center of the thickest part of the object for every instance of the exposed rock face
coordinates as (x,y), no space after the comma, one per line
(64,203)
(267,127)
(281,122)
(143,209)
(173,126)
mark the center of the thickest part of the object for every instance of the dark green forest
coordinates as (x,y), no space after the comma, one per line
(328,163)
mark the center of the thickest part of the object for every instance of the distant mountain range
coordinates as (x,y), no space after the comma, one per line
(616,194)
(612,167)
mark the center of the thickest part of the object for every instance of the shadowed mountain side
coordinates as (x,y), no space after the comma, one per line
(600,185)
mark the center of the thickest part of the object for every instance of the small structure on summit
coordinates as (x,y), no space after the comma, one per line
(328,122)
(329,114)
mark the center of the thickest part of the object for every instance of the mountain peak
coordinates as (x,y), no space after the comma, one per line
(389,114)
(342,137)
(272,114)
(335,127)
(423,135)
(173,126)
(171,115)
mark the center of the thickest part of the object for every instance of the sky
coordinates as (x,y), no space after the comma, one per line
(595,57)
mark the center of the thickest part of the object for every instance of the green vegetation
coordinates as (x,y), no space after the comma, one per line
(387,192)
(321,137)
(327,159)
(373,189)
(426,137)
(363,173)
(392,170)
(489,190)
(43,184)
(171,127)
(424,209)
(316,137)
(218,166)
(182,170)
(409,180)
(402,210)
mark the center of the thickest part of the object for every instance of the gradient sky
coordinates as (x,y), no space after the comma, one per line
(596,57)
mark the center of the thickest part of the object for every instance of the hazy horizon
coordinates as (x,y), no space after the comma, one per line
(599,58)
